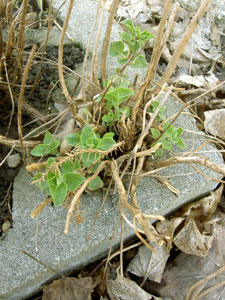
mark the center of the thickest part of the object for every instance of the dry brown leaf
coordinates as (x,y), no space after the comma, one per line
(198,220)
(205,207)
(149,264)
(168,228)
(188,270)
(69,288)
(214,122)
(191,241)
(126,289)
(199,81)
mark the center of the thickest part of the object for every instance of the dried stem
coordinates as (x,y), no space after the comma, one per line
(134,211)
(181,45)
(60,61)
(20,100)
(153,63)
(80,192)
(207,278)
(204,161)
(86,54)
(94,56)
(16,143)
(40,207)
(105,45)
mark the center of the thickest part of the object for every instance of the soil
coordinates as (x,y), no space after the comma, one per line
(42,95)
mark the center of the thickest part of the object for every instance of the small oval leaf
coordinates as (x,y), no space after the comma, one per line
(58,193)
(73,180)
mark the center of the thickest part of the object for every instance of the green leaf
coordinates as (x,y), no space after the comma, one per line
(88,158)
(50,161)
(87,132)
(109,134)
(125,109)
(95,184)
(125,36)
(58,193)
(40,150)
(122,60)
(181,144)
(135,46)
(70,166)
(155,133)
(154,105)
(139,62)
(166,144)
(42,184)
(145,35)
(106,143)
(111,118)
(52,149)
(116,48)
(170,129)
(73,180)
(159,152)
(128,24)
(175,134)
(51,178)
(73,139)
(48,138)
(92,143)
(124,94)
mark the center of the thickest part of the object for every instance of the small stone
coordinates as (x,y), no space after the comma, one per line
(14,160)
(6,225)
(214,122)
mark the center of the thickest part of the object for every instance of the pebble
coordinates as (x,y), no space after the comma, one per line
(14,160)
(6,225)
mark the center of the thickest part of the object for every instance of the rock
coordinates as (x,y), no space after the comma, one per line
(14,160)
(215,122)
(6,225)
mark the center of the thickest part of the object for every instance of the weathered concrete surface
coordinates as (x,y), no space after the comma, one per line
(20,275)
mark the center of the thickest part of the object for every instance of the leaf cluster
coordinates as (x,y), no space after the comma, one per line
(167,134)
(132,40)
(69,174)
(89,149)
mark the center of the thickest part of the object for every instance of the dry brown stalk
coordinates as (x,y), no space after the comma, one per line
(11,97)
(134,211)
(60,61)
(204,281)
(80,192)
(204,161)
(153,63)
(86,54)
(145,131)
(181,45)
(44,44)
(40,207)
(106,40)
(21,35)
(20,100)
(16,143)
(94,61)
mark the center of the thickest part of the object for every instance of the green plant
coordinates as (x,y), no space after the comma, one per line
(128,49)
(68,173)
(167,134)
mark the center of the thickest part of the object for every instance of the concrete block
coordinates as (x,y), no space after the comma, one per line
(20,276)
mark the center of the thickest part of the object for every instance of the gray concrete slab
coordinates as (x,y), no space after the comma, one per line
(19,275)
